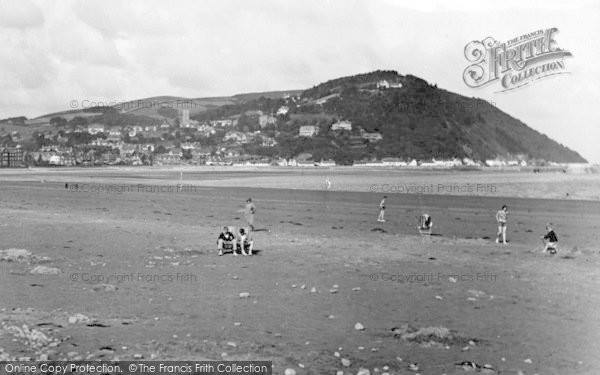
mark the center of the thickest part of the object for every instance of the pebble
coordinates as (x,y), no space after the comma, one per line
(528,361)
(43,357)
(333,291)
(244,295)
(356,289)
(336,354)
(374,349)
(231,343)
(294,285)
(438,297)
(361,348)
(237,324)
(471,342)
(303,286)
(363,371)
(413,367)
(331,316)
(466,348)
(399,359)
(138,356)
(335,286)
(359,327)
(300,365)
(340,372)
(345,362)
(313,290)
(503,359)
(290,371)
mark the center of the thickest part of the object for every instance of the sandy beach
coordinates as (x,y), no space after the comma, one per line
(138,275)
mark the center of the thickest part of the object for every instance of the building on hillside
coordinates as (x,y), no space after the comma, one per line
(11,157)
(95,128)
(185,117)
(384,84)
(283,110)
(372,137)
(264,120)
(342,125)
(308,131)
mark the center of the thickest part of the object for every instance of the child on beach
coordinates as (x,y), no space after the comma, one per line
(501,219)
(381,217)
(550,240)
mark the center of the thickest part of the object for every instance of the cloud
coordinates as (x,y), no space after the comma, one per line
(20,14)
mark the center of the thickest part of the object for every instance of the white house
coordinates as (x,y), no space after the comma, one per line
(393,162)
(372,137)
(342,125)
(264,120)
(95,128)
(308,131)
(495,163)
(283,110)
(384,84)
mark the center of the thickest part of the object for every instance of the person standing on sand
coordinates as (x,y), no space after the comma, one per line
(501,219)
(381,217)
(249,212)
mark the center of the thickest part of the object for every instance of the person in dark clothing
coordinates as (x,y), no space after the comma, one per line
(225,237)
(550,240)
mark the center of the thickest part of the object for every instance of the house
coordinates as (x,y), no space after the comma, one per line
(224,123)
(11,157)
(95,128)
(114,135)
(393,162)
(235,136)
(342,125)
(372,137)
(283,110)
(264,120)
(128,149)
(308,131)
(384,84)
(494,163)
(268,141)
(327,163)
(176,151)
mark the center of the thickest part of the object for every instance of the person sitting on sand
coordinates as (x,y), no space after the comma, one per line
(550,240)
(245,241)
(501,219)
(425,224)
(225,237)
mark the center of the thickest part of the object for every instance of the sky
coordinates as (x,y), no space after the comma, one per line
(57,52)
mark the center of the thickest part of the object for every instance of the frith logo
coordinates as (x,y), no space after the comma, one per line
(515,63)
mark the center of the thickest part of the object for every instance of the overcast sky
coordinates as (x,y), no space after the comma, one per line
(53,52)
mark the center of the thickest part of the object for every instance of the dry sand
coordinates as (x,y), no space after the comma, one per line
(509,302)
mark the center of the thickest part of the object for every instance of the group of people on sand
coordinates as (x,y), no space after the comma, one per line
(233,239)
(549,240)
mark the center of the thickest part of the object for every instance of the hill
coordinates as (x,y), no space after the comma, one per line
(419,120)
(414,120)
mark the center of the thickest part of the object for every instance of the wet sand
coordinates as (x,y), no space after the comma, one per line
(508,301)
